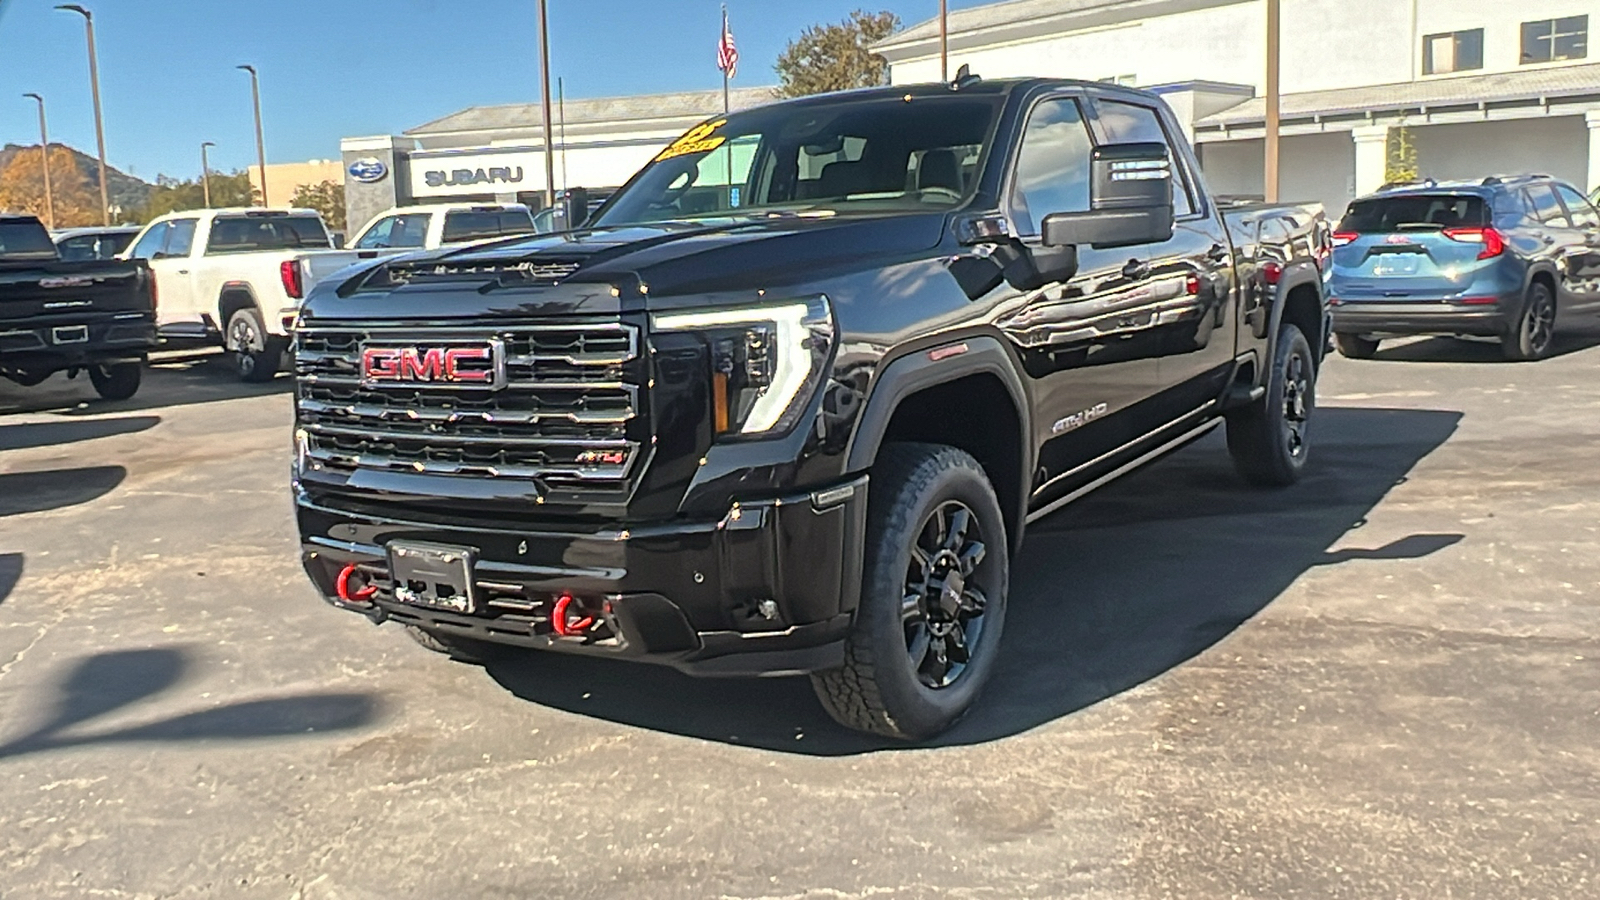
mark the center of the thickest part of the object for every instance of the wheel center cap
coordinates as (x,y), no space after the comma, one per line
(950,592)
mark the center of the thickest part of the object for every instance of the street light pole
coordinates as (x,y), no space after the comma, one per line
(44,158)
(544,79)
(1274,19)
(261,142)
(944,41)
(205,172)
(99,119)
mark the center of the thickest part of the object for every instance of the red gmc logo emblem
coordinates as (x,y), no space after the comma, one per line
(478,365)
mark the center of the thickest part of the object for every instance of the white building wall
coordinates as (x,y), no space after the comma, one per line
(1555,146)
(1327,44)
(1315,167)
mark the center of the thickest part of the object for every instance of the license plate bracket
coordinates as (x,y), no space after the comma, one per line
(70,334)
(434,576)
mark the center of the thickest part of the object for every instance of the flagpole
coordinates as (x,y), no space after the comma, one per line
(724,71)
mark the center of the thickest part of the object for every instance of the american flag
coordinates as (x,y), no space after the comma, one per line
(727,53)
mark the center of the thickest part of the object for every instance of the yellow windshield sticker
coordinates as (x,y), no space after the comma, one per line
(699,139)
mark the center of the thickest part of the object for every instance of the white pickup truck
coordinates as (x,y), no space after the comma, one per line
(443,224)
(236,277)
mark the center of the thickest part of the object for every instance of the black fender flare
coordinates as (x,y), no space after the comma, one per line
(1296,275)
(926,368)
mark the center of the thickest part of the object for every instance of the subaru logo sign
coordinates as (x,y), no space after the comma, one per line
(368,170)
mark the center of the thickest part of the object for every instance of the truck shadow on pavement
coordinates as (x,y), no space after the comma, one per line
(29,492)
(26,435)
(1129,583)
(108,682)
(1456,350)
(171,379)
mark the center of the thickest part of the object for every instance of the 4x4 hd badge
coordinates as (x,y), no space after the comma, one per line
(1079,419)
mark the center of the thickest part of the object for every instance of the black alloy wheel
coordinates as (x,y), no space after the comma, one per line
(1296,404)
(256,354)
(1535,330)
(1270,440)
(943,607)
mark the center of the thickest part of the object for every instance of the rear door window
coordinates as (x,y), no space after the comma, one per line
(151,243)
(474,225)
(1382,215)
(180,237)
(247,233)
(1546,208)
(1128,123)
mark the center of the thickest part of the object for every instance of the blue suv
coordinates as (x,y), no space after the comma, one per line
(1511,258)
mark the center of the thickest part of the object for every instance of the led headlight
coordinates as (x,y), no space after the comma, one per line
(765,360)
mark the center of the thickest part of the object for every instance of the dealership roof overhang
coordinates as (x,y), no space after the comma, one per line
(1500,96)
(521,121)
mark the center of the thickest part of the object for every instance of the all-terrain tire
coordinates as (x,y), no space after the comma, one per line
(1533,333)
(461,649)
(1269,440)
(256,354)
(117,381)
(1354,346)
(890,683)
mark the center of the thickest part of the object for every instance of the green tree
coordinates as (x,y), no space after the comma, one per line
(171,195)
(1401,164)
(326,198)
(837,57)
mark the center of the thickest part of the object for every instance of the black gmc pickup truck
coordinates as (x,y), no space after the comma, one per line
(785,404)
(88,315)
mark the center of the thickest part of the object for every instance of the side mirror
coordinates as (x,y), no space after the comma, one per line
(573,209)
(1130,200)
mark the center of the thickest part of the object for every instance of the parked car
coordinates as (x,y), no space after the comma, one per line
(77,244)
(569,206)
(441,225)
(1513,258)
(798,423)
(236,277)
(91,315)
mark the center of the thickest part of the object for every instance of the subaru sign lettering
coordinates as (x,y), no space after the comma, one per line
(368,170)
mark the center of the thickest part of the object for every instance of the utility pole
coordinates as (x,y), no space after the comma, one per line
(1274,21)
(261,143)
(205,172)
(99,119)
(544,104)
(944,41)
(561,108)
(44,158)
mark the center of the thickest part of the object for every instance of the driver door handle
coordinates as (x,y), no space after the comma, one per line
(1136,269)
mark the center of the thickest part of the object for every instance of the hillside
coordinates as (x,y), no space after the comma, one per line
(127,191)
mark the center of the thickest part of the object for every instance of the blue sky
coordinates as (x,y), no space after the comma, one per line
(334,68)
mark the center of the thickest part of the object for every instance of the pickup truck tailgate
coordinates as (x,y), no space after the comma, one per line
(28,290)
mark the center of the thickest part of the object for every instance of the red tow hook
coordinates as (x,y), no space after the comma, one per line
(362,596)
(565,626)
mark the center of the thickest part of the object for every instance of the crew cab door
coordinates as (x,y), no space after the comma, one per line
(1089,375)
(1194,329)
(167,248)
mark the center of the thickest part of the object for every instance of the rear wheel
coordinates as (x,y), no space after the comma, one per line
(1530,338)
(256,354)
(1270,440)
(461,649)
(1355,346)
(117,381)
(933,597)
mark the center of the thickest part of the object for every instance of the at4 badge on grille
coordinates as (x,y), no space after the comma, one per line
(478,364)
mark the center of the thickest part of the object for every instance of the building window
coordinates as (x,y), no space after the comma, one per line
(1124,80)
(1551,40)
(1455,51)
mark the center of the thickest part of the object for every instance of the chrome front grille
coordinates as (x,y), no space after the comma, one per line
(568,415)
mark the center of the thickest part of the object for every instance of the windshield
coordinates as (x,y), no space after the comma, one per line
(861,156)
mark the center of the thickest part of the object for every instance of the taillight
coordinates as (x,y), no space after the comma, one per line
(289,271)
(1340,238)
(1494,243)
(155,296)
(1271,272)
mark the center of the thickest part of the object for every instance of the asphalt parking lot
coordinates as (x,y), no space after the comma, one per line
(1384,682)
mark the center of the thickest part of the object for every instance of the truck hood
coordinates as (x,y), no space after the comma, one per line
(669,260)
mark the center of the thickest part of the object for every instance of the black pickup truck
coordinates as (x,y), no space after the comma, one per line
(787,401)
(92,315)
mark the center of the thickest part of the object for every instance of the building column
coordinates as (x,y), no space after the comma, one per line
(1372,157)
(1592,119)
(375,179)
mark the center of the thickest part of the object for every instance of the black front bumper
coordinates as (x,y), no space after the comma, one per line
(1423,317)
(686,594)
